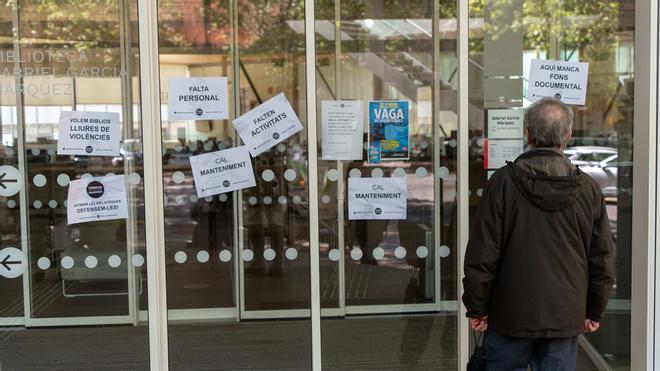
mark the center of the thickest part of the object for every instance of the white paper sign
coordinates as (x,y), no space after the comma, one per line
(499,151)
(89,133)
(198,98)
(94,199)
(268,124)
(377,198)
(505,123)
(343,129)
(566,81)
(222,171)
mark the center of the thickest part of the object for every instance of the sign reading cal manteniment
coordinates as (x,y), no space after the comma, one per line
(268,124)
(95,199)
(88,133)
(566,81)
(198,98)
(377,198)
(222,171)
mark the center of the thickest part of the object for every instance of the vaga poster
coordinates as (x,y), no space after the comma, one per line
(389,129)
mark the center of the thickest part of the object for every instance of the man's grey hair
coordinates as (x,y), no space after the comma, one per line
(549,123)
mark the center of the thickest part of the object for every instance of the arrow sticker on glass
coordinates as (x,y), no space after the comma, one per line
(10,181)
(12,262)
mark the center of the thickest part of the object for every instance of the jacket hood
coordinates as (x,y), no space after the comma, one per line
(546,178)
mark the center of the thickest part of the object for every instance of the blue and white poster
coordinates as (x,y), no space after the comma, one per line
(389,129)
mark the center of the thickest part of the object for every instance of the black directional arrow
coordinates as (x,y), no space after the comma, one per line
(3,180)
(6,262)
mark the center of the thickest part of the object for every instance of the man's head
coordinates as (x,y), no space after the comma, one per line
(549,124)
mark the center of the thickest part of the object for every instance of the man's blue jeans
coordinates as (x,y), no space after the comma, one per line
(505,353)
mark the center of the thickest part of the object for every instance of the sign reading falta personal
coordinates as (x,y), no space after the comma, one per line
(94,199)
(267,125)
(222,171)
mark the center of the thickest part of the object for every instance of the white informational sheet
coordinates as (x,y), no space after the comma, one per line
(222,171)
(505,123)
(377,198)
(566,81)
(198,98)
(89,133)
(268,124)
(499,151)
(95,199)
(343,129)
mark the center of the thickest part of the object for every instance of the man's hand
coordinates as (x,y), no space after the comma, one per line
(590,326)
(479,324)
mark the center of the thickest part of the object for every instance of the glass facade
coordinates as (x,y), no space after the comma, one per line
(282,275)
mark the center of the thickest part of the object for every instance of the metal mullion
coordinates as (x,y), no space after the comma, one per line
(153,181)
(462,188)
(437,182)
(341,184)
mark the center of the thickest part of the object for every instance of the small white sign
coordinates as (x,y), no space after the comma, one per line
(505,123)
(198,98)
(89,133)
(12,262)
(377,198)
(11,181)
(268,124)
(499,151)
(566,81)
(343,129)
(94,199)
(222,171)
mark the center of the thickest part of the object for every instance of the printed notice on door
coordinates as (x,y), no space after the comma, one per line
(96,199)
(566,81)
(342,123)
(268,124)
(222,171)
(377,198)
(198,98)
(505,123)
(89,133)
(499,151)
(389,130)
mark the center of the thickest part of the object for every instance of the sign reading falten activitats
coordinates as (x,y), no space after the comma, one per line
(89,133)
(97,198)
(377,198)
(222,171)
(268,124)
(566,81)
(198,98)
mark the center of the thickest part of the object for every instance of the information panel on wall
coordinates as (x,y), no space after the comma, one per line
(89,133)
(377,198)
(198,98)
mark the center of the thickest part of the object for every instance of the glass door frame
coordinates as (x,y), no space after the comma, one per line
(644,208)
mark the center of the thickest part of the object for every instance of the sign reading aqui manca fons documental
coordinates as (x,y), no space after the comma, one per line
(268,124)
(89,133)
(97,198)
(222,171)
(566,81)
(377,198)
(198,98)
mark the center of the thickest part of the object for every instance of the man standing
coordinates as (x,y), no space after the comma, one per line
(539,266)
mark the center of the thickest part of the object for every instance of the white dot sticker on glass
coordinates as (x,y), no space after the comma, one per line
(87,176)
(43,263)
(252,200)
(208,146)
(39,180)
(290,175)
(67,262)
(35,151)
(421,172)
(282,200)
(11,204)
(268,175)
(91,262)
(444,251)
(378,253)
(37,204)
(377,173)
(52,204)
(114,261)
(63,180)
(291,253)
(194,199)
(326,199)
(134,179)
(203,256)
(400,252)
(208,199)
(180,257)
(137,260)
(332,175)
(443,172)
(355,173)
(480,192)
(222,198)
(334,255)
(422,252)
(399,173)
(297,199)
(356,254)
(178,148)
(268,200)
(269,254)
(248,255)
(225,256)
(281,148)
(178,177)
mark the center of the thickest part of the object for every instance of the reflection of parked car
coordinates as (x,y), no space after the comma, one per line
(591,156)
(601,163)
